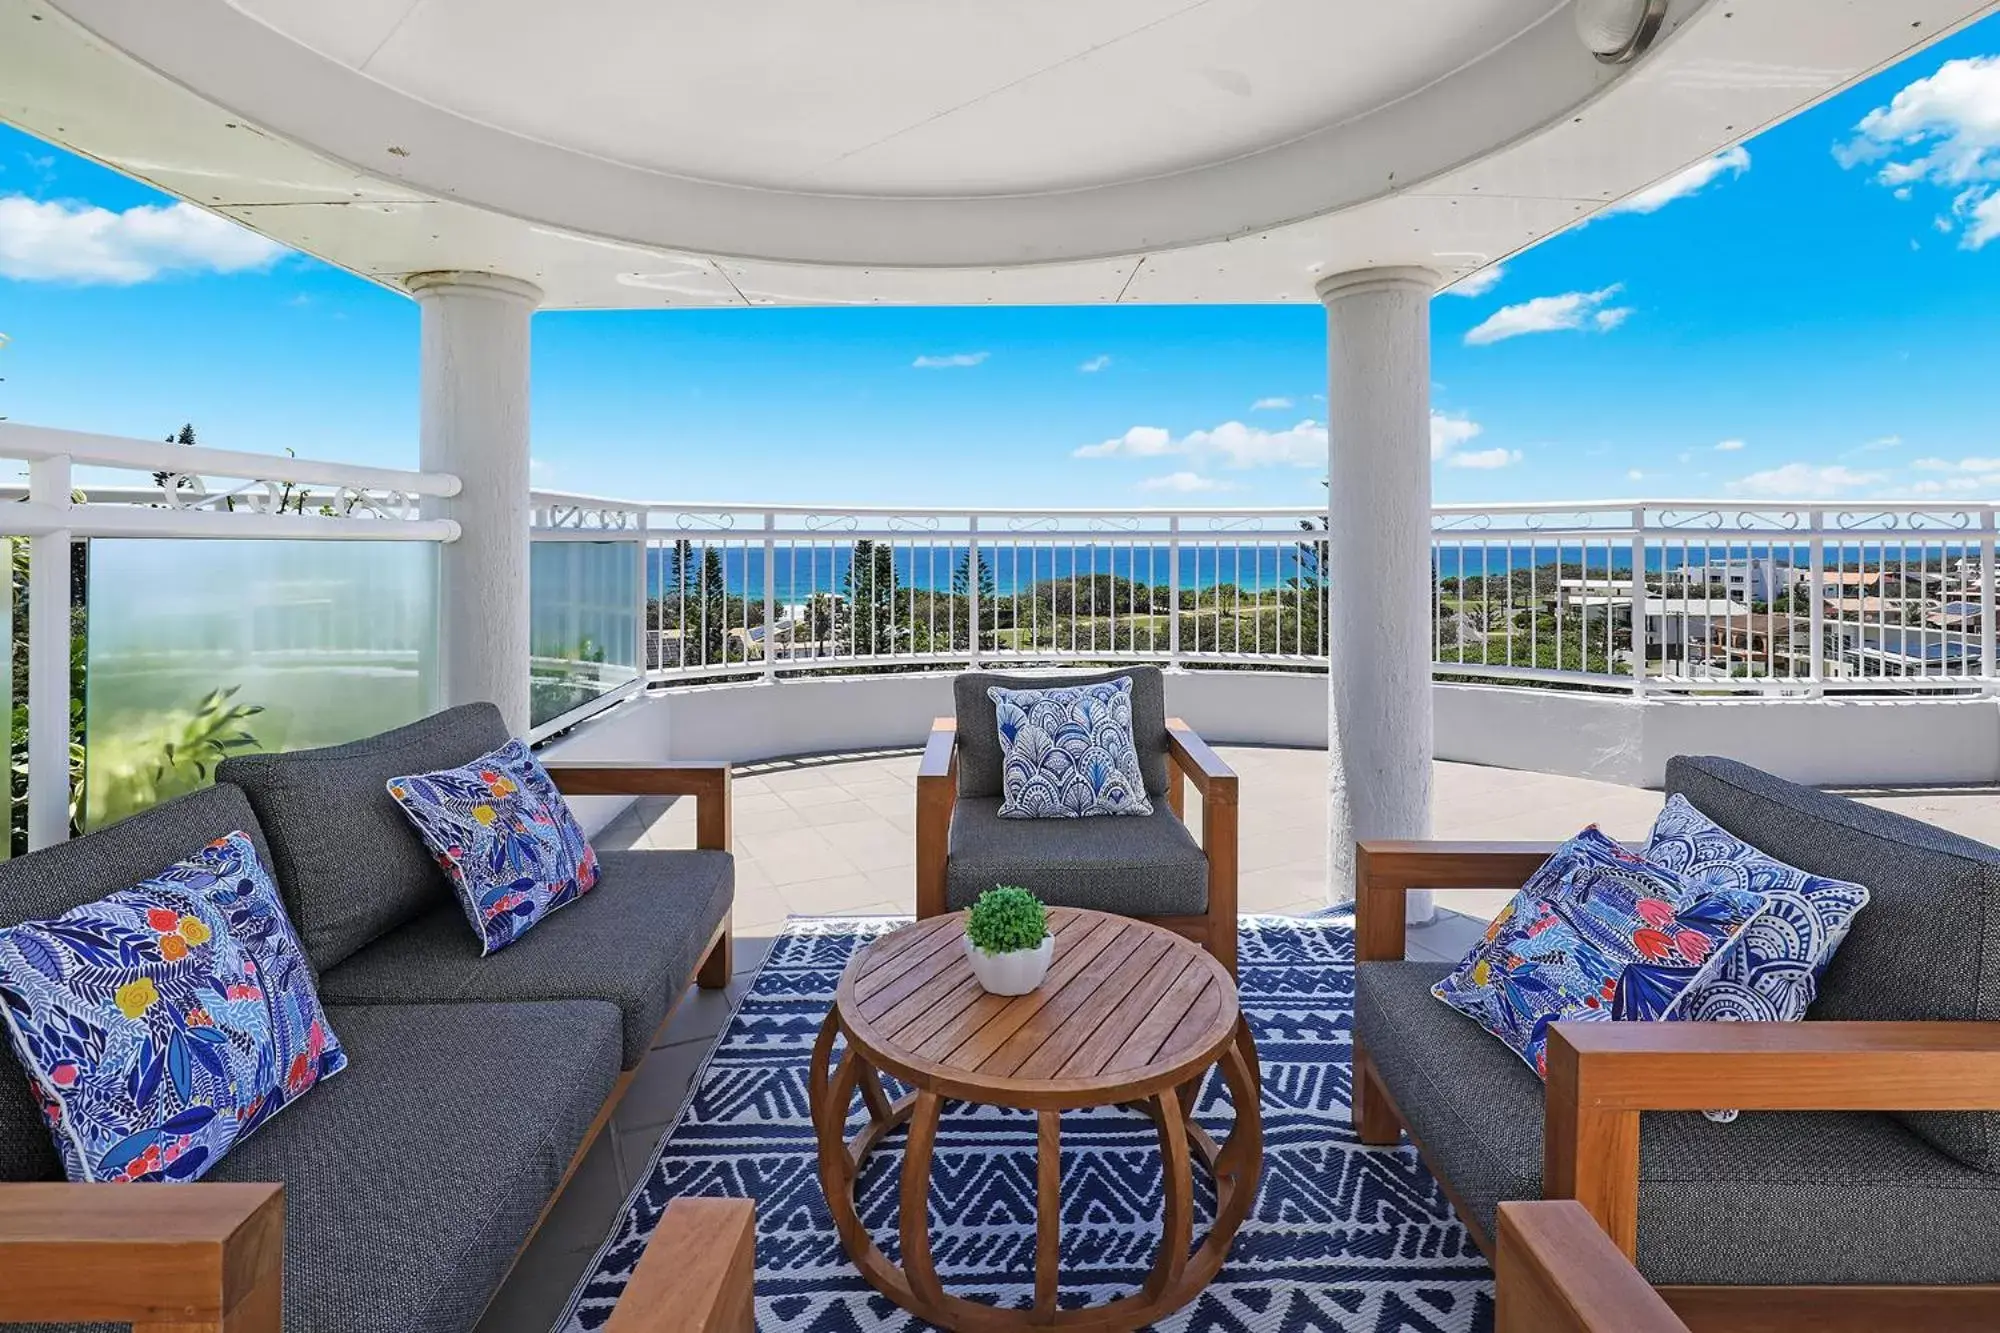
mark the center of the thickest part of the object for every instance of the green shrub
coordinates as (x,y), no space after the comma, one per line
(1007,920)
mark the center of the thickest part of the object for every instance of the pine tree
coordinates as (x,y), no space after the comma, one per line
(989,609)
(715,607)
(871,598)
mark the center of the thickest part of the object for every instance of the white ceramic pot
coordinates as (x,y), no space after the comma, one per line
(1014,973)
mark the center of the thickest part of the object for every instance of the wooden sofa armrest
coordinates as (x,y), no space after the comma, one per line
(1384,870)
(206,1258)
(1601,1076)
(937,793)
(1557,1272)
(698,1273)
(1190,758)
(705,780)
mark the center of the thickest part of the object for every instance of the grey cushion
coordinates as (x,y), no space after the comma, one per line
(1774,1199)
(50,882)
(1927,946)
(979,755)
(349,863)
(1137,865)
(634,940)
(414,1175)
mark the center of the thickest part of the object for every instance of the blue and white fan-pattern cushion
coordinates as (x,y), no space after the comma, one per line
(1771,974)
(164,1023)
(1068,752)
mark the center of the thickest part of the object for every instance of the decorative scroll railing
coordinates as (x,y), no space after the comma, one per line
(1728,597)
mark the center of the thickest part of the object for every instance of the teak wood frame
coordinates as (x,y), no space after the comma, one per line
(1602,1076)
(209,1258)
(1189,760)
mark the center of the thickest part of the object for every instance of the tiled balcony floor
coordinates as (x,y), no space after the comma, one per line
(835,835)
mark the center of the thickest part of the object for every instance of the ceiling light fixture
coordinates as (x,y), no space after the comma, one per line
(1619,31)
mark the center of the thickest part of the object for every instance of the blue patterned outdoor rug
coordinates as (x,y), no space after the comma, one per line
(1342,1237)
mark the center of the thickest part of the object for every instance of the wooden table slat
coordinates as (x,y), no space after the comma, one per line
(1085,1022)
(965,1041)
(1073,1000)
(892,955)
(1157,1026)
(1118,1026)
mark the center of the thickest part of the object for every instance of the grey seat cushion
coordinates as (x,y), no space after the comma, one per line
(634,941)
(414,1175)
(1137,865)
(979,753)
(1774,1199)
(50,882)
(1927,946)
(349,863)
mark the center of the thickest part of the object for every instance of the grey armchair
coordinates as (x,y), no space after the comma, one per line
(1145,866)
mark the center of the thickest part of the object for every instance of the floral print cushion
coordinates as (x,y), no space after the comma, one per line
(1597,934)
(1772,973)
(167,1021)
(505,836)
(1068,752)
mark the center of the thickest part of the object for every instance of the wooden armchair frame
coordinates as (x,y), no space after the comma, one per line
(1603,1076)
(1189,760)
(1557,1272)
(209,1257)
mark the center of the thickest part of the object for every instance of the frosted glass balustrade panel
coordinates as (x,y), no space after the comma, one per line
(583,618)
(327,641)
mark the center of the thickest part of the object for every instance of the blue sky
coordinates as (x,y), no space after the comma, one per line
(1815,314)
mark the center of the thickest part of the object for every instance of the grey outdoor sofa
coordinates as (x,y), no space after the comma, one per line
(1839,1205)
(473,1085)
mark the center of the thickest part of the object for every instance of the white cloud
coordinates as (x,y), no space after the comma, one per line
(1975,466)
(1232,443)
(1138,442)
(955,361)
(1950,485)
(1185,483)
(1803,480)
(1478,284)
(1942,130)
(1484,459)
(1095,364)
(1548,314)
(1270,404)
(68,242)
(1448,432)
(1730,161)
(1634,474)
(1728,446)
(1876,446)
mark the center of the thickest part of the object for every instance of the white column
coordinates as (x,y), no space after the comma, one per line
(475,426)
(1378,526)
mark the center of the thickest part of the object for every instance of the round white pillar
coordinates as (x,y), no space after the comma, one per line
(475,426)
(1378,526)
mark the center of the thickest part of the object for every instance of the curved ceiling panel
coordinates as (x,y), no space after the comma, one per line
(921,97)
(916,132)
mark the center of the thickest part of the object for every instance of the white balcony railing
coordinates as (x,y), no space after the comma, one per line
(1731,597)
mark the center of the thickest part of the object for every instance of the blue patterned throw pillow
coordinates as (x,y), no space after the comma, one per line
(167,1021)
(1597,934)
(505,836)
(1772,973)
(1067,752)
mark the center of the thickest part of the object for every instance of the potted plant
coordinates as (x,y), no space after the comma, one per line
(1008,942)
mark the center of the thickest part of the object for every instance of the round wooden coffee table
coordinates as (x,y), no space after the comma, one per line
(1130,1014)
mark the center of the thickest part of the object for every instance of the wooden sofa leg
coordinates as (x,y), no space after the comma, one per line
(1375,1119)
(718,966)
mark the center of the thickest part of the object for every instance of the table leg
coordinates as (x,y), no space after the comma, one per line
(1177,1222)
(915,1223)
(1048,1213)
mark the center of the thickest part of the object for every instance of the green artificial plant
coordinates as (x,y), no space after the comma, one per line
(1007,920)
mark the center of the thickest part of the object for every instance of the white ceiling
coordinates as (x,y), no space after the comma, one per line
(626,153)
(906,97)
